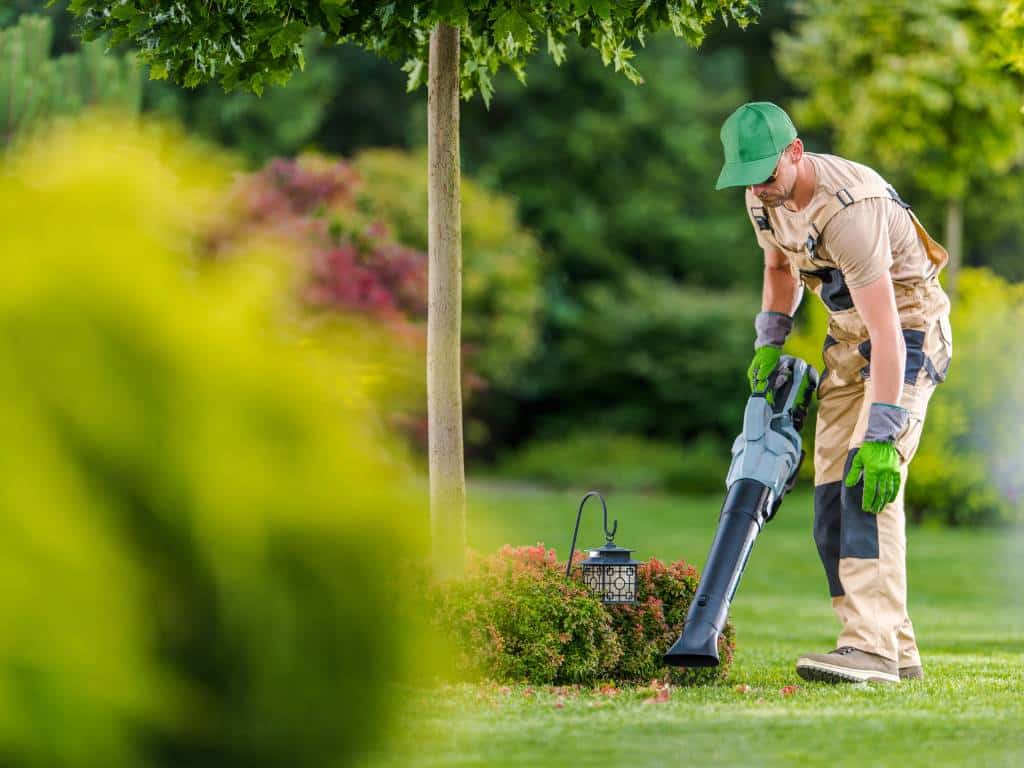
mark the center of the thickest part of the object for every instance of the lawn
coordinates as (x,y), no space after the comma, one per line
(965,601)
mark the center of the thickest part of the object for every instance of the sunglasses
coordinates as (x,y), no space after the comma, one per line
(775,174)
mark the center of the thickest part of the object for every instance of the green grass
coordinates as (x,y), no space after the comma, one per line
(965,601)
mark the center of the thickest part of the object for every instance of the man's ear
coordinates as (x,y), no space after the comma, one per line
(796,150)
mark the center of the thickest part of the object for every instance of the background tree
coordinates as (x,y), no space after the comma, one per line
(35,88)
(458,46)
(915,90)
(649,273)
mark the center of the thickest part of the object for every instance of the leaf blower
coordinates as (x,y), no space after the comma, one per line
(766,457)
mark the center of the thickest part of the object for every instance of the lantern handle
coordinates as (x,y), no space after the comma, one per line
(608,535)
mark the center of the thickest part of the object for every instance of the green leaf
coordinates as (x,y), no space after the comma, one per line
(519,70)
(386,12)
(483,79)
(453,11)
(417,74)
(511,25)
(333,16)
(556,49)
(123,12)
(158,70)
(285,39)
(137,25)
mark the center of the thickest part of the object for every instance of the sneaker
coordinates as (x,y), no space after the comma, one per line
(912,673)
(847,665)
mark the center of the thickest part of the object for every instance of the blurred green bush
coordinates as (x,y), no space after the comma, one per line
(969,468)
(615,177)
(617,181)
(649,357)
(621,462)
(200,515)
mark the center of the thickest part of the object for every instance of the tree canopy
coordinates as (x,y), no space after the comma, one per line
(920,91)
(917,90)
(253,44)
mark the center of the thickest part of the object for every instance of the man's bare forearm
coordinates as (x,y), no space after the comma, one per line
(782,291)
(876,305)
(888,363)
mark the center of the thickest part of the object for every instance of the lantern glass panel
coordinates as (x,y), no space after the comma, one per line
(620,584)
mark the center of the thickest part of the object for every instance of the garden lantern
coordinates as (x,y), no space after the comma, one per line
(609,571)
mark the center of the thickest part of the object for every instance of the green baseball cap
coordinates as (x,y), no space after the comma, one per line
(753,137)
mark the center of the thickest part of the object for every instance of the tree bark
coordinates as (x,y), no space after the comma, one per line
(954,243)
(444,308)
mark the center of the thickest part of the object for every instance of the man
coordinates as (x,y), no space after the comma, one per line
(838,228)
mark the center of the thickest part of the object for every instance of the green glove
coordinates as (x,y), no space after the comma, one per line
(764,362)
(881,467)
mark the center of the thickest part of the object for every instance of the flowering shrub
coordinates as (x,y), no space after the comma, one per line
(516,617)
(353,265)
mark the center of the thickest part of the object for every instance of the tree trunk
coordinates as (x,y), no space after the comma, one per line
(954,243)
(444,379)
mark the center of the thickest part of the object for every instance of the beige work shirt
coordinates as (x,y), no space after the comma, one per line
(863,240)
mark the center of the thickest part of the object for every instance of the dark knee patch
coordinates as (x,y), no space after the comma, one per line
(827,531)
(859,528)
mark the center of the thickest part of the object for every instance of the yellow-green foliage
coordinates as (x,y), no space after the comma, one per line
(501,261)
(197,510)
(970,464)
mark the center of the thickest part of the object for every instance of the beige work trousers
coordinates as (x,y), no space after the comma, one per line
(864,555)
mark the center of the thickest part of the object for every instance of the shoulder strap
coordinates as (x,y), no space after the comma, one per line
(844,198)
(761,218)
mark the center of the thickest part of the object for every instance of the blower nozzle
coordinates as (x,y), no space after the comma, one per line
(766,457)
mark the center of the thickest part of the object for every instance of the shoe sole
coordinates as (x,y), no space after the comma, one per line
(822,672)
